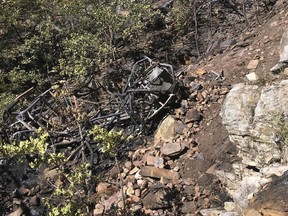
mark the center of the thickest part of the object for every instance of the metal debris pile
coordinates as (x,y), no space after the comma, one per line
(68,113)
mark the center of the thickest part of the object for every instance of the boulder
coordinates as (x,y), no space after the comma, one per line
(166,130)
(250,115)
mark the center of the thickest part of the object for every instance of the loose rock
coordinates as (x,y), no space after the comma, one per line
(158,173)
(166,130)
(252,76)
(282,64)
(99,209)
(157,197)
(253,64)
(172,149)
(193,115)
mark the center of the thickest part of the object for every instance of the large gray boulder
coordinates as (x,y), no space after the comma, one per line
(254,117)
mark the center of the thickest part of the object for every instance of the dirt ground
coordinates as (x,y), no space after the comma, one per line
(258,42)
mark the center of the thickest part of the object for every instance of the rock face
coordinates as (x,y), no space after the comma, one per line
(274,199)
(283,62)
(254,117)
(250,114)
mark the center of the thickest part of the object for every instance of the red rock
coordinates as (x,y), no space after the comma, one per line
(158,173)
(172,149)
(150,160)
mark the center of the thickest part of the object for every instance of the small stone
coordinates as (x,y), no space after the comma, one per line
(99,209)
(176,168)
(194,86)
(34,201)
(211,169)
(184,104)
(120,204)
(200,72)
(135,199)
(157,197)
(129,184)
(252,76)
(135,208)
(187,181)
(24,191)
(172,149)
(138,175)
(204,94)
(159,162)
(199,97)
(158,173)
(148,211)
(113,172)
(137,163)
(227,43)
(16,201)
(149,160)
(130,179)
(130,191)
(230,206)
(163,181)
(134,170)
(142,184)
(214,98)
(224,91)
(192,115)
(123,175)
(189,207)
(125,170)
(138,192)
(179,127)
(128,165)
(253,64)
(102,187)
(18,212)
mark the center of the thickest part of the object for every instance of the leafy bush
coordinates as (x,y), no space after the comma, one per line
(42,42)
(108,140)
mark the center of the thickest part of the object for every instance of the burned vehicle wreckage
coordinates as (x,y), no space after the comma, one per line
(68,113)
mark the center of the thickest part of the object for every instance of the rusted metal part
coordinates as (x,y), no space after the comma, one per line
(68,113)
